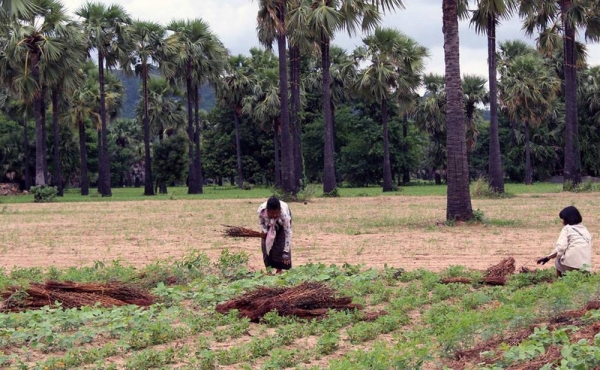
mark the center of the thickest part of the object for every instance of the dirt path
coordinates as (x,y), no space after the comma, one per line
(399,231)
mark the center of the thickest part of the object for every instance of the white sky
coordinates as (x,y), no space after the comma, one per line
(234,21)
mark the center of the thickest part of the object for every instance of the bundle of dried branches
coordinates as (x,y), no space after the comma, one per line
(240,232)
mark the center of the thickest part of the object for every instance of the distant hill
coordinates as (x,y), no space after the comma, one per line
(132,86)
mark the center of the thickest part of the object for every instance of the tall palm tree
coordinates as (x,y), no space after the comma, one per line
(566,16)
(34,42)
(528,90)
(326,18)
(147,47)
(272,18)
(234,87)
(103,27)
(458,199)
(474,94)
(198,58)
(391,70)
(430,115)
(485,19)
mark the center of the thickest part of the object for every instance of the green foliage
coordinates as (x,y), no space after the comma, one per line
(332,194)
(44,194)
(481,189)
(583,187)
(170,160)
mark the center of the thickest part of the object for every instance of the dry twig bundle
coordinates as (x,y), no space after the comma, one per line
(73,295)
(459,280)
(504,268)
(307,300)
(240,232)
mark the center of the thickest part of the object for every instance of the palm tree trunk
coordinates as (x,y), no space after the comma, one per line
(405,169)
(495,165)
(39,136)
(238,148)
(57,178)
(459,199)
(329,181)
(148,187)
(104,168)
(83,169)
(571,172)
(288,177)
(277,155)
(295,119)
(190,130)
(26,155)
(44,132)
(387,168)
(197,137)
(528,170)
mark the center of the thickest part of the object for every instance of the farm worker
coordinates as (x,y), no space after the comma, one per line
(275,220)
(574,245)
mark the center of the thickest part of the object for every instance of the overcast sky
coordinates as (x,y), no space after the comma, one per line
(234,21)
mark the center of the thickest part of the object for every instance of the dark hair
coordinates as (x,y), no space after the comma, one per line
(570,215)
(273,204)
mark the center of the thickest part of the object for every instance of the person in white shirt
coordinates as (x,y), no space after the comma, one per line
(275,220)
(574,245)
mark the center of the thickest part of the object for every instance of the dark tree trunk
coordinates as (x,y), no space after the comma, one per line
(295,118)
(571,172)
(238,148)
(496,175)
(277,155)
(387,167)
(162,186)
(528,169)
(148,187)
(44,132)
(459,199)
(190,129)
(104,163)
(288,177)
(83,169)
(405,169)
(39,135)
(329,181)
(57,178)
(197,137)
(26,155)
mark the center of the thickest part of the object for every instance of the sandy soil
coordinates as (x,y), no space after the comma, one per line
(399,231)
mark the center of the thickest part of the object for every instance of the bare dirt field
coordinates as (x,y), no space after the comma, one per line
(399,231)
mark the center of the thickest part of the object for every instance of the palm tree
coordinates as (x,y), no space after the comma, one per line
(271,19)
(198,57)
(35,41)
(392,70)
(528,90)
(430,115)
(325,19)
(485,19)
(459,199)
(147,46)
(234,87)
(104,26)
(566,16)
(474,94)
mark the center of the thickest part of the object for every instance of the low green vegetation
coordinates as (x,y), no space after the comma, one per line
(425,321)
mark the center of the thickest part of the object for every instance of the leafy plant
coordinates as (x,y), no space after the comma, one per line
(44,193)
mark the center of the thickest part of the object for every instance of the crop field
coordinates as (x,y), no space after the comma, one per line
(389,254)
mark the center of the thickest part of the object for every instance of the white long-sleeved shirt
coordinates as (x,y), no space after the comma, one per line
(574,247)
(284,220)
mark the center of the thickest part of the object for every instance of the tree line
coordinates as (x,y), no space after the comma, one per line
(312,112)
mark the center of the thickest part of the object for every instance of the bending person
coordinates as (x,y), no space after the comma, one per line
(275,220)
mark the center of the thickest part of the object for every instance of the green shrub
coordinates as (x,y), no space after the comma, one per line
(332,194)
(44,193)
(481,189)
(583,187)
(247,186)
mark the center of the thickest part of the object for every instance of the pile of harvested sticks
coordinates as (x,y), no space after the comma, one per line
(240,232)
(73,295)
(496,275)
(307,300)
